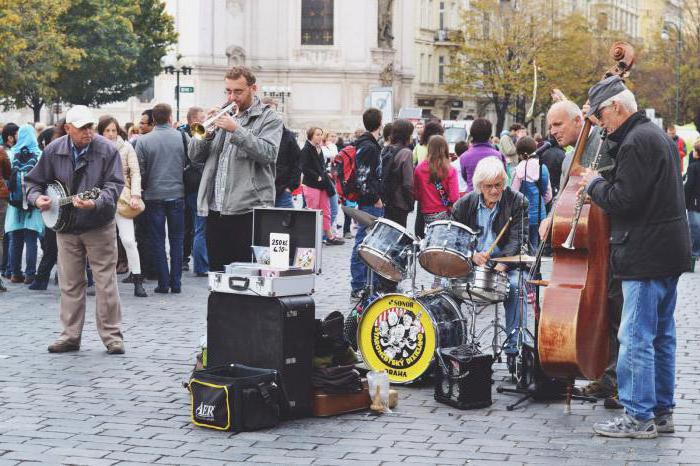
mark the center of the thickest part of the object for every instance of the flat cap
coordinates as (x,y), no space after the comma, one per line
(602,91)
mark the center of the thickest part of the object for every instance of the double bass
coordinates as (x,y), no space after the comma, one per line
(573,332)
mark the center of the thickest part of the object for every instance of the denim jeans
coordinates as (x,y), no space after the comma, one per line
(646,363)
(172,212)
(199,243)
(333,201)
(534,237)
(20,239)
(694,222)
(512,307)
(284,199)
(358,269)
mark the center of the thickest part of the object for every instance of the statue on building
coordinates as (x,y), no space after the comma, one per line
(236,55)
(385,37)
(386,76)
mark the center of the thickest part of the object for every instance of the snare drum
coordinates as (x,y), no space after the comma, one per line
(386,248)
(447,249)
(399,334)
(488,285)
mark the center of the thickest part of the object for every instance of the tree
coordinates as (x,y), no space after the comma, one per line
(33,47)
(125,40)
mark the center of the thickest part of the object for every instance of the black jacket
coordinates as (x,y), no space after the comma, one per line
(313,166)
(553,158)
(288,175)
(692,185)
(512,204)
(643,195)
(367,162)
(397,177)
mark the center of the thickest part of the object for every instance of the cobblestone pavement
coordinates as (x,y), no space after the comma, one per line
(94,409)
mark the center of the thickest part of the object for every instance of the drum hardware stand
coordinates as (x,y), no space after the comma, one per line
(475,310)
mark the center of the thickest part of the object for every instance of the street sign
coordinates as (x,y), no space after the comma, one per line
(186,89)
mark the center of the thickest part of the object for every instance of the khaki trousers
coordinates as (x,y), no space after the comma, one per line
(100,247)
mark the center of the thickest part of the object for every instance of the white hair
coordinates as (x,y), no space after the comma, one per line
(488,169)
(571,109)
(625,98)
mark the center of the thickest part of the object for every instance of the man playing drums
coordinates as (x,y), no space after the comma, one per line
(489,209)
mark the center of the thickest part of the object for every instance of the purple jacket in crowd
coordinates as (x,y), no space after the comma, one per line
(473,156)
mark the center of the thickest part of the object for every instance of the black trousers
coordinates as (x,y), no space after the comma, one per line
(49,256)
(141,231)
(228,239)
(396,215)
(189,235)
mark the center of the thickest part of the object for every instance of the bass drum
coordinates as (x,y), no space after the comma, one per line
(399,334)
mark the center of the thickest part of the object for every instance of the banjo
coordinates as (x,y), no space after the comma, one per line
(58,215)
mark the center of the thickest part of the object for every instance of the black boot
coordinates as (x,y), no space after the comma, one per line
(2,285)
(138,287)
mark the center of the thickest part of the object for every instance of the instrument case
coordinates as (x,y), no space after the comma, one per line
(304,227)
(326,404)
(275,333)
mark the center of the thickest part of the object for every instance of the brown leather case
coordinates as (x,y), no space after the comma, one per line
(333,404)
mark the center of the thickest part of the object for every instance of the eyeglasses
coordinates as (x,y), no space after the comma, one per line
(494,186)
(237,92)
(598,113)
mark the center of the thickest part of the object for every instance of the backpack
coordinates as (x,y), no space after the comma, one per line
(345,171)
(22,164)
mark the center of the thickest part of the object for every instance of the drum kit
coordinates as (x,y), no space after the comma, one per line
(401,332)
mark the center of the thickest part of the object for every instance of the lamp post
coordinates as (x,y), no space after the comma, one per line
(668,25)
(277,92)
(172,65)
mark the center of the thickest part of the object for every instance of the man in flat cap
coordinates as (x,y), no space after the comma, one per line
(82,160)
(649,249)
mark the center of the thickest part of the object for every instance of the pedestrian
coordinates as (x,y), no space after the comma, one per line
(5,172)
(420,153)
(367,160)
(397,174)
(162,155)
(480,148)
(109,128)
(460,148)
(141,225)
(692,201)
(239,156)
(9,138)
(649,250)
(317,185)
(553,158)
(91,235)
(22,219)
(330,151)
(679,143)
(288,169)
(435,182)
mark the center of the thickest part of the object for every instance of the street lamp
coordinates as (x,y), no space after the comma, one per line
(277,92)
(172,65)
(665,35)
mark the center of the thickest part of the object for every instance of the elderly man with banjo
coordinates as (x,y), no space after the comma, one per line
(499,216)
(82,162)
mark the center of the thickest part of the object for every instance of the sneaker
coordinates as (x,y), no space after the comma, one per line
(116,347)
(335,241)
(63,346)
(664,423)
(626,426)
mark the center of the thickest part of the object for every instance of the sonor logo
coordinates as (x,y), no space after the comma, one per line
(205,411)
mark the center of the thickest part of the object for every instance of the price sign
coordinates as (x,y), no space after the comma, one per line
(279,249)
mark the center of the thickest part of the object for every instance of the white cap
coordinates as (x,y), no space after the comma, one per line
(79,116)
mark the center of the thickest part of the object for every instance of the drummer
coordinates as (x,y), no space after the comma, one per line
(487,210)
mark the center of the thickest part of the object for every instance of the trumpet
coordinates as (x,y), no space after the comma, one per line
(200,130)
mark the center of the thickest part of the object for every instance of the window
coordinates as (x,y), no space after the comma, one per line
(430,68)
(421,66)
(441,70)
(442,15)
(316,22)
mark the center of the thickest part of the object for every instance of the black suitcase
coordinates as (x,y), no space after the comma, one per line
(271,333)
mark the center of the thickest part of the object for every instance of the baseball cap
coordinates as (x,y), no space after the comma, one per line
(79,116)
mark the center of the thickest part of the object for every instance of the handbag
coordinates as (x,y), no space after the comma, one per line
(124,207)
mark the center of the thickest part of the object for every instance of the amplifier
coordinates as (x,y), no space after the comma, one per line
(465,380)
(270,333)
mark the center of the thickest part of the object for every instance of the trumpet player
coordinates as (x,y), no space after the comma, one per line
(239,153)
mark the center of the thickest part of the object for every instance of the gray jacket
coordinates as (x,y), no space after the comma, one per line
(252,154)
(100,167)
(162,158)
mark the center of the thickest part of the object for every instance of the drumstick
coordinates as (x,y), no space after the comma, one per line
(495,242)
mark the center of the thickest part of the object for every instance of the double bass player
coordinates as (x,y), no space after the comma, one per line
(649,249)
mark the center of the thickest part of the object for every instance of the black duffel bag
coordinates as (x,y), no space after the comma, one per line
(235,398)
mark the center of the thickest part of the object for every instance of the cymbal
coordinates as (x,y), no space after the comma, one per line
(520,259)
(360,216)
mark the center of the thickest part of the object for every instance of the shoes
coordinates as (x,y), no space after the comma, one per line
(2,286)
(116,347)
(17,279)
(129,279)
(6,274)
(597,390)
(160,290)
(348,235)
(39,284)
(201,274)
(29,280)
(63,346)
(664,423)
(356,294)
(335,241)
(139,292)
(511,362)
(612,403)
(626,426)
(176,290)
(91,290)
(185,267)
